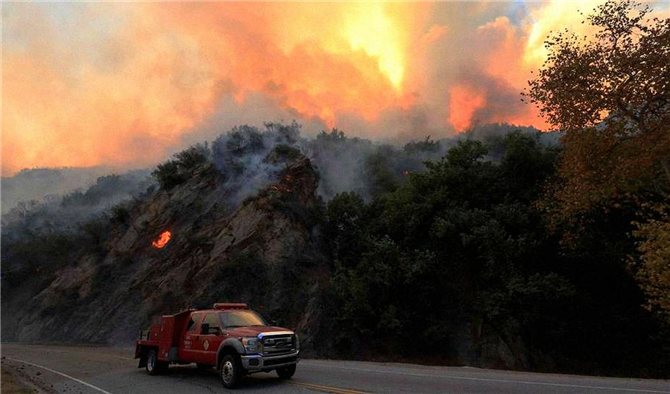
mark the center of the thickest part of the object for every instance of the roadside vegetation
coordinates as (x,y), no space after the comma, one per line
(562,256)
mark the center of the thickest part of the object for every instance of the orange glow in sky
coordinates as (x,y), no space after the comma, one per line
(126,84)
(464,101)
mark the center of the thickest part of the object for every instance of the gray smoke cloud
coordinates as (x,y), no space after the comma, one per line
(64,212)
(249,158)
(39,183)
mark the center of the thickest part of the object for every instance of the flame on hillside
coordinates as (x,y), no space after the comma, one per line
(162,240)
(284,186)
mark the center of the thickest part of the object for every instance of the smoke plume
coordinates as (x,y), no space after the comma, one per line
(127,84)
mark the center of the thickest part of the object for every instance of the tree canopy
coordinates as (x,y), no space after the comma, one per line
(610,94)
(621,74)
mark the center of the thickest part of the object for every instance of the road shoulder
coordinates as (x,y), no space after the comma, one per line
(16,379)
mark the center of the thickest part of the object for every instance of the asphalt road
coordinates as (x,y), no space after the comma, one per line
(61,369)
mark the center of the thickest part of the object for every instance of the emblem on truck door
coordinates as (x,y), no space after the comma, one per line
(205,344)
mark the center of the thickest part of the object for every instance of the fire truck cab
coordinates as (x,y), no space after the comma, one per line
(229,337)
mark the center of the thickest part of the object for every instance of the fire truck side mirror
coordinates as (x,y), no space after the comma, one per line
(204,328)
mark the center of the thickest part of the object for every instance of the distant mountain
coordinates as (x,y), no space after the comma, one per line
(38,183)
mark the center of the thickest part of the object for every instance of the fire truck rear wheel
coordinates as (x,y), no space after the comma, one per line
(155,366)
(286,372)
(230,371)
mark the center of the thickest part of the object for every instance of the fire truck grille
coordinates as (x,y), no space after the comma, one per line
(278,344)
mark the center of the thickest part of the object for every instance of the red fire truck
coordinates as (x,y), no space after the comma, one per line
(230,337)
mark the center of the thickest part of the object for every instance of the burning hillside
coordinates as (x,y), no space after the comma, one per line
(246,204)
(326,235)
(217,246)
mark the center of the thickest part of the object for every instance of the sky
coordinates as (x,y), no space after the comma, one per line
(126,84)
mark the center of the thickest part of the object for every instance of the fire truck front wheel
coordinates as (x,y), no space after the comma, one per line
(230,371)
(286,372)
(155,366)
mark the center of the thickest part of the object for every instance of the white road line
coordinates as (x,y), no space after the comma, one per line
(96,388)
(578,386)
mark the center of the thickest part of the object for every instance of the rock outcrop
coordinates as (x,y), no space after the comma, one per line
(256,251)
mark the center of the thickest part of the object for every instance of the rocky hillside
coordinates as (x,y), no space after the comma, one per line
(419,253)
(259,252)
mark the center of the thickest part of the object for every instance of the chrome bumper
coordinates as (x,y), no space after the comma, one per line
(258,362)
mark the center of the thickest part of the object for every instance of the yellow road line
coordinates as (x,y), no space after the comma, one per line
(328,389)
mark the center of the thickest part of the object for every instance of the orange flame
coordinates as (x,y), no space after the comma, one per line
(284,186)
(464,103)
(162,240)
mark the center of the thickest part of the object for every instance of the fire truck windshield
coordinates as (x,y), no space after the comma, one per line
(241,319)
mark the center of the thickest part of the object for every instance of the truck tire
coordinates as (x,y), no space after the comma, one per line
(286,372)
(230,371)
(154,365)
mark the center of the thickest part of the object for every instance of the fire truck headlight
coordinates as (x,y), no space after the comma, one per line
(251,344)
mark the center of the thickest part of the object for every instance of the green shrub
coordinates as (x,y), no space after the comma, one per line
(176,171)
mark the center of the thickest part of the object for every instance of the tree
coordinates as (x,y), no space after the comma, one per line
(654,263)
(178,170)
(610,94)
(345,228)
(620,75)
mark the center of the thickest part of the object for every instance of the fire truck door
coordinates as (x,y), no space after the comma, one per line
(189,346)
(210,339)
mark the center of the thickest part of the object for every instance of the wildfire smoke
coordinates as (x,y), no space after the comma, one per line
(99,83)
